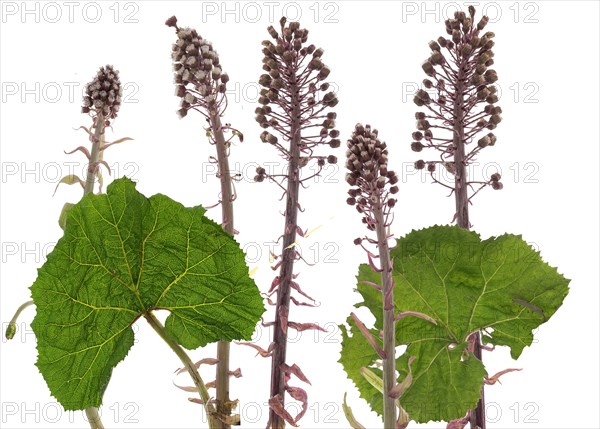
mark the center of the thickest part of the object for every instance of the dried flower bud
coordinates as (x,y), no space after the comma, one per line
(416,146)
(492,99)
(420,164)
(477,80)
(495,177)
(330,99)
(171,22)
(483,94)
(456,36)
(482,23)
(423,124)
(491,76)
(422,98)
(466,50)
(434,46)
(437,58)
(480,69)
(265,80)
(497,186)
(484,141)
(495,119)
(428,68)
(323,74)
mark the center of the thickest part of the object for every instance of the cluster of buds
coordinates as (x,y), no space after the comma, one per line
(459,81)
(103,94)
(201,82)
(291,101)
(371,181)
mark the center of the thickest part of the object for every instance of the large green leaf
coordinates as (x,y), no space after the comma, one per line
(466,285)
(123,255)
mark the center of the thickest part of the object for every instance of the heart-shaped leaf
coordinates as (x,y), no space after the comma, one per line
(123,255)
(465,285)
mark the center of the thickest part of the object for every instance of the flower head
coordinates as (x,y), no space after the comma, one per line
(199,76)
(103,94)
(370,180)
(295,97)
(459,80)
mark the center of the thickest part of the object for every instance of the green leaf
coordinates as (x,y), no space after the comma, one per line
(123,255)
(356,354)
(62,218)
(354,424)
(466,285)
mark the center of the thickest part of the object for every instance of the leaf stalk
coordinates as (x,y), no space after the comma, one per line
(213,422)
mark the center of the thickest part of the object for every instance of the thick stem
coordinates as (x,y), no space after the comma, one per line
(389,338)
(90,180)
(462,211)
(223,347)
(287,264)
(95,155)
(213,422)
(94,418)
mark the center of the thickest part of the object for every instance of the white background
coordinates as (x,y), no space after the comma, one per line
(547,150)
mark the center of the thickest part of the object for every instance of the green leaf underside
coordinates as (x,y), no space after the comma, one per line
(123,255)
(466,285)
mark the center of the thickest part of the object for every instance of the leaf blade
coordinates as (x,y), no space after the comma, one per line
(122,255)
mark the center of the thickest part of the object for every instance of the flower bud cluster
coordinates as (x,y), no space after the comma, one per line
(459,80)
(200,79)
(295,96)
(103,94)
(371,181)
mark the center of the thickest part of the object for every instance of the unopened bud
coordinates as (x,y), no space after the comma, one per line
(416,146)
(428,68)
(482,23)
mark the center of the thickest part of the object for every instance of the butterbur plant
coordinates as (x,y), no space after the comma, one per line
(431,301)
(462,113)
(295,114)
(102,101)
(201,85)
(456,288)
(123,257)
(372,186)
